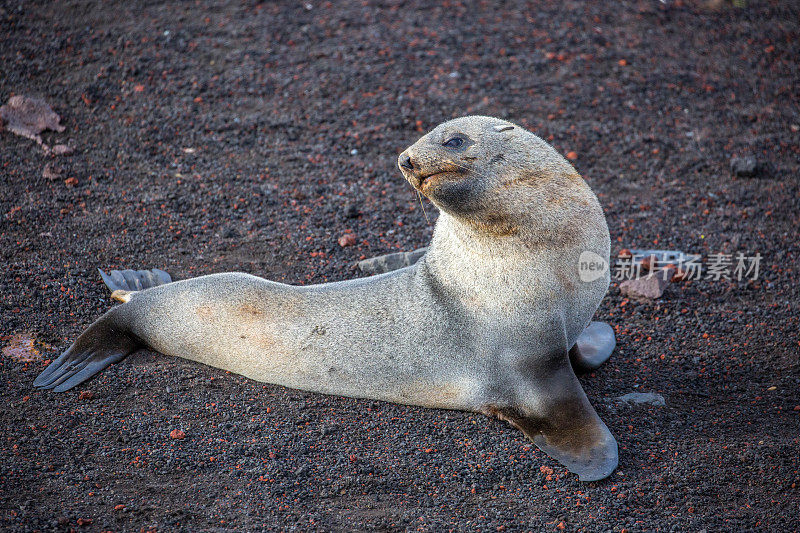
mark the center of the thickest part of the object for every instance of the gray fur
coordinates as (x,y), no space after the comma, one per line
(483,322)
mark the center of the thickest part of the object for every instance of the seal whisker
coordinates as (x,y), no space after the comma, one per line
(419,195)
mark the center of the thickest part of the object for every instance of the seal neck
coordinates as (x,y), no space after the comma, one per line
(468,239)
(480,268)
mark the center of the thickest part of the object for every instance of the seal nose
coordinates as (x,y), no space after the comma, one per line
(405,161)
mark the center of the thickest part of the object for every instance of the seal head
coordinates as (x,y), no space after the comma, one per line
(499,177)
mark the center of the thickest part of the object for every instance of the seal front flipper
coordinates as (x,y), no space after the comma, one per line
(593,347)
(553,411)
(389,262)
(100,346)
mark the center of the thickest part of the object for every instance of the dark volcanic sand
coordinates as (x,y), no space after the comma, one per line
(218,137)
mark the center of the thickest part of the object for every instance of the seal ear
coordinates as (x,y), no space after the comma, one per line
(502,127)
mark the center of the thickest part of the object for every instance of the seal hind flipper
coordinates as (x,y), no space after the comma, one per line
(134,280)
(96,349)
(593,347)
(101,345)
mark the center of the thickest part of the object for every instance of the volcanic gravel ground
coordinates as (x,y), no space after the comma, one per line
(218,136)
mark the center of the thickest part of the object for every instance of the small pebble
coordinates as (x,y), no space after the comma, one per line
(62,149)
(679,274)
(649,262)
(651,398)
(744,167)
(348,239)
(644,289)
(51,172)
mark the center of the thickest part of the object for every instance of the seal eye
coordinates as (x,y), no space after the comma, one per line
(453,142)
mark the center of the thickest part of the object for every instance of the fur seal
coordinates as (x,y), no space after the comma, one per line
(484,321)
